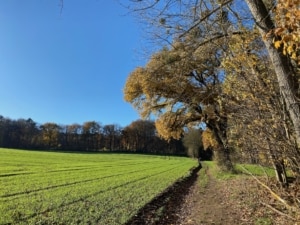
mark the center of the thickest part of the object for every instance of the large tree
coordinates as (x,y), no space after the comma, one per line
(50,135)
(112,133)
(289,86)
(193,143)
(259,128)
(212,23)
(73,133)
(181,85)
(140,136)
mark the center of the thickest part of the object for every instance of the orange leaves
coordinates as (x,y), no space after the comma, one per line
(278,31)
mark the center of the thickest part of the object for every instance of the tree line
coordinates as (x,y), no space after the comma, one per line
(140,136)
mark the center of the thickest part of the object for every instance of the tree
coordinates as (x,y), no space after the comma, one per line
(3,129)
(112,133)
(19,133)
(181,86)
(192,142)
(73,133)
(140,136)
(90,131)
(176,20)
(28,133)
(282,64)
(50,135)
(259,128)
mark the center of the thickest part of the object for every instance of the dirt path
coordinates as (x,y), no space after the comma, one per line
(217,202)
(227,202)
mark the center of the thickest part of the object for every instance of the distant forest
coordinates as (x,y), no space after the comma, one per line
(140,136)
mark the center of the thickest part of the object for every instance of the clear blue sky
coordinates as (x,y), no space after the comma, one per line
(70,67)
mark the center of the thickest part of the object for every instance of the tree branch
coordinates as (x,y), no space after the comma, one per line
(205,17)
(277,197)
(277,211)
(61,4)
(219,37)
(146,7)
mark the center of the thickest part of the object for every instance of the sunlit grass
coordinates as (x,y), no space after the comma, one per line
(240,170)
(203,178)
(79,188)
(256,170)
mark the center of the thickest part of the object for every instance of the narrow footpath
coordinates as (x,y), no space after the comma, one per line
(205,200)
(227,202)
(218,202)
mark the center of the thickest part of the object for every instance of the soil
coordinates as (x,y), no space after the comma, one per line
(218,202)
(232,201)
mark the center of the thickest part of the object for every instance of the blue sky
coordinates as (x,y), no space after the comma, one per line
(70,67)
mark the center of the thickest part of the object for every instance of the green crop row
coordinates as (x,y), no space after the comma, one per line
(73,188)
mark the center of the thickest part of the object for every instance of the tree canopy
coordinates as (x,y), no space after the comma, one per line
(231,65)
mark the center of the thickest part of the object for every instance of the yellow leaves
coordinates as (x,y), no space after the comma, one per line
(241,57)
(277,44)
(294,56)
(289,49)
(209,140)
(287,17)
(133,86)
(169,126)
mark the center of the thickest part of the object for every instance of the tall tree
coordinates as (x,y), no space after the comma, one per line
(90,131)
(193,142)
(140,136)
(181,86)
(176,20)
(73,133)
(28,132)
(112,133)
(282,65)
(50,135)
(259,128)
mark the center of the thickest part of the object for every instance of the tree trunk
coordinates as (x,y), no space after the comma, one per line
(222,153)
(281,173)
(279,168)
(283,71)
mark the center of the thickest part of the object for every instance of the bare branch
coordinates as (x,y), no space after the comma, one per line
(61,5)
(147,7)
(219,37)
(277,197)
(277,211)
(205,17)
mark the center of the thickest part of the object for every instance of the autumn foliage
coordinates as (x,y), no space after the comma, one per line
(221,69)
(287,31)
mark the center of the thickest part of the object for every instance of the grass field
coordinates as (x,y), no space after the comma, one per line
(77,188)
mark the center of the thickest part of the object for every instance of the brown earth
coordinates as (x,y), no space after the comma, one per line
(233,201)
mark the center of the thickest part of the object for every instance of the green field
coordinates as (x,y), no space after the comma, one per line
(77,188)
